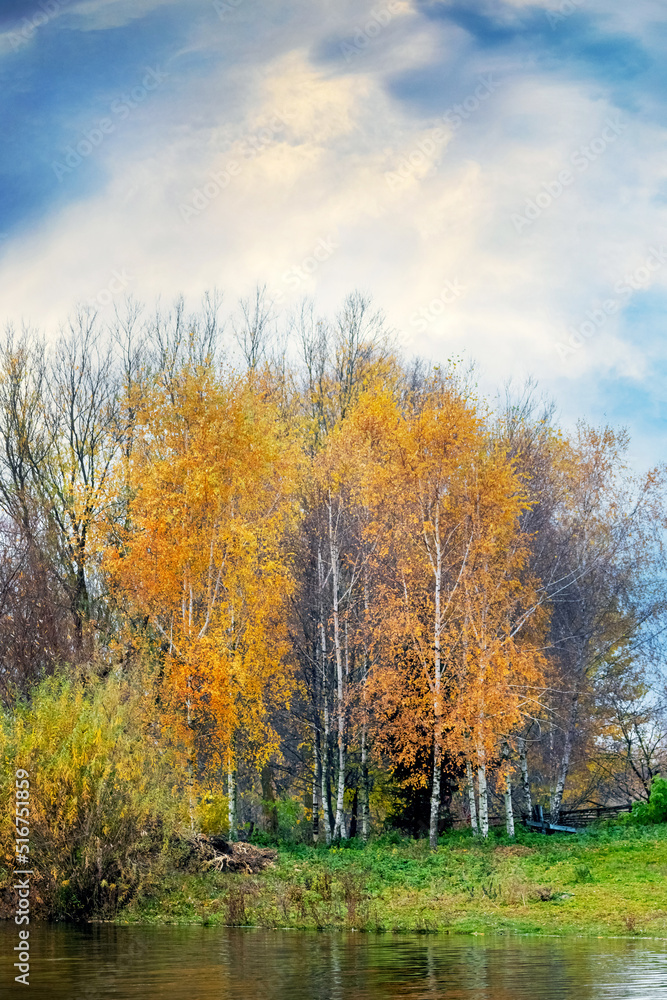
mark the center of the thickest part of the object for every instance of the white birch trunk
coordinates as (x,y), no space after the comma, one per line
(483,801)
(324,757)
(316,780)
(557,797)
(471,798)
(435,795)
(509,812)
(437,693)
(326,815)
(525,779)
(231,801)
(365,805)
(188,713)
(365,789)
(339,824)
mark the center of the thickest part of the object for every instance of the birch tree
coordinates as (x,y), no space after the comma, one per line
(202,561)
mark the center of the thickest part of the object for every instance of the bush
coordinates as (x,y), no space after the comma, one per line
(100,805)
(213,814)
(655,810)
(290,812)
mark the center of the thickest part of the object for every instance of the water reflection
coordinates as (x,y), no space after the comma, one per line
(198,963)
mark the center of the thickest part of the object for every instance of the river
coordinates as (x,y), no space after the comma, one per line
(203,963)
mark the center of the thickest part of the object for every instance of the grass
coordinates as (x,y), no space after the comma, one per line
(602,882)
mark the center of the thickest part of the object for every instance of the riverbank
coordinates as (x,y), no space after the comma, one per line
(602,882)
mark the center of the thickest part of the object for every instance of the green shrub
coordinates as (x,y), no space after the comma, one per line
(101,804)
(655,810)
(290,814)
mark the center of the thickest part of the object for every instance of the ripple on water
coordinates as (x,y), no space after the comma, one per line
(198,963)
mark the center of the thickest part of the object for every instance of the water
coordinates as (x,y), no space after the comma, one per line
(200,963)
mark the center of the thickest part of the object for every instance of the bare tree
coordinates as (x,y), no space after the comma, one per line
(254,330)
(597,551)
(36,625)
(175,341)
(59,422)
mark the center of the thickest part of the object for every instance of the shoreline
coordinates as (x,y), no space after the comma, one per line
(601,883)
(606,882)
(506,932)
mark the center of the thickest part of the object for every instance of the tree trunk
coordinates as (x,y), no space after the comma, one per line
(317,781)
(471,799)
(81,601)
(435,796)
(339,825)
(557,797)
(269,807)
(327,811)
(191,779)
(365,805)
(325,765)
(353,817)
(365,789)
(509,812)
(525,780)
(551,752)
(483,801)
(437,707)
(231,801)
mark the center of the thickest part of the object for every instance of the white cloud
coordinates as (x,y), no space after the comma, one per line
(325,134)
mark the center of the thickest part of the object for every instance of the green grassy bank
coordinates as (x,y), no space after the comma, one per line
(607,881)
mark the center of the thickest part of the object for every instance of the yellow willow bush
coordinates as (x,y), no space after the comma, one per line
(101,804)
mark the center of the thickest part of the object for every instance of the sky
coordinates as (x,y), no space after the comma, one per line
(491,173)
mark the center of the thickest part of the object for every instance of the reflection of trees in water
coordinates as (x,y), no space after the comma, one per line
(205,963)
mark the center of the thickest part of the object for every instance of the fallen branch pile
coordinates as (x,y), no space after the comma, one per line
(222,855)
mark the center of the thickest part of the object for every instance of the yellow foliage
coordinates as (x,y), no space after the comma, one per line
(204,558)
(96,780)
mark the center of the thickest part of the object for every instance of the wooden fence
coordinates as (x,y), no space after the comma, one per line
(574,817)
(589,814)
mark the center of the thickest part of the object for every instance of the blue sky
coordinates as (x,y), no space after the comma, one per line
(493,173)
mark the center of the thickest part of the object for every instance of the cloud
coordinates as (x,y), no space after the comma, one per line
(316,173)
(101,15)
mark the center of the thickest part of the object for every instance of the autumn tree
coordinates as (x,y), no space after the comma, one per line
(451,603)
(338,361)
(203,560)
(342,574)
